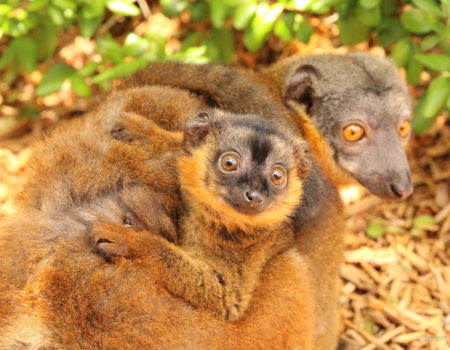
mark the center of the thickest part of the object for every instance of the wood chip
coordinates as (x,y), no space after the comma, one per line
(415,259)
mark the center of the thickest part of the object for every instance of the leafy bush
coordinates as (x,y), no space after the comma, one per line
(416,33)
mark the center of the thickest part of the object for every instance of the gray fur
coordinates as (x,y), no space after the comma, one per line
(337,89)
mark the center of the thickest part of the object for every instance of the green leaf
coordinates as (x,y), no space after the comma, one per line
(401,51)
(88,69)
(28,112)
(193,55)
(123,7)
(261,25)
(109,48)
(123,69)
(369,4)
(435,61)
(232,3)
(192,39)
(15,27)
(172,8)
(302,28)
(445,46)
(89,25)
(423,221)
(417,21)
(390,31)
(4,9)
(7,58)
(413,67)
(244,14)
(79,86)
(93,9)
(199,10)
(436,96)
(218,13)
(420,123)
(36,5)
(220,45)
(212,49)
(428,6)
(370,17)
(225,42)
(26,54)
(444,31)
(321,6)
(413,71)
(283,26)
(376,229)
(134,45)
(47,36)
(388,7)
(156,50)
(21,55)
(64,4)
(299,5)
(53,79)
(55,16)
(429,42)
(351,30)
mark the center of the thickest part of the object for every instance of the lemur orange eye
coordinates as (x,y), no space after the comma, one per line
(353,132)
(278,176)
(229,162)
(404,128)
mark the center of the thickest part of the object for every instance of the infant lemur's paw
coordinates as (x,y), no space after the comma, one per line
(232,312)
(234,305)
(109,241)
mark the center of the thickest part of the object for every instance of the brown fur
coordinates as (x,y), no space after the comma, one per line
(70,294)
(320,225)
(314,94)
(63,296)
(223,250)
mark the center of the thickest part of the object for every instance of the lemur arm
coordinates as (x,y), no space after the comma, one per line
(189,277)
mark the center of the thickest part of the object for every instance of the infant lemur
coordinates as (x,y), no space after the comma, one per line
(241,181)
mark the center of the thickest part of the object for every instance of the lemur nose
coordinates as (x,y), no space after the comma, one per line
(254,198)
(401,192)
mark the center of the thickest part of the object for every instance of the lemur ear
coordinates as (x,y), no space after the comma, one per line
(303,158)
(196,130)
(300,86)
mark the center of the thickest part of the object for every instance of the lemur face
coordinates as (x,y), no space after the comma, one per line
(368,140)
(244,168)
(250,170)
(361,106)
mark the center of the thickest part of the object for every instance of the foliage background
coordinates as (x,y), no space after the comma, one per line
(80,46)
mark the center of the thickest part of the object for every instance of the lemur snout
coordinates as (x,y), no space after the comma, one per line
(400,191)
(253,198)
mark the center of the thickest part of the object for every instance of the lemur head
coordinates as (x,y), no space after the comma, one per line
(242,170)
(360,104)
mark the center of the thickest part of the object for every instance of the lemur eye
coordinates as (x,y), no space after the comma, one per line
(278,176)
(404,128)
(229,162)
(353,132)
